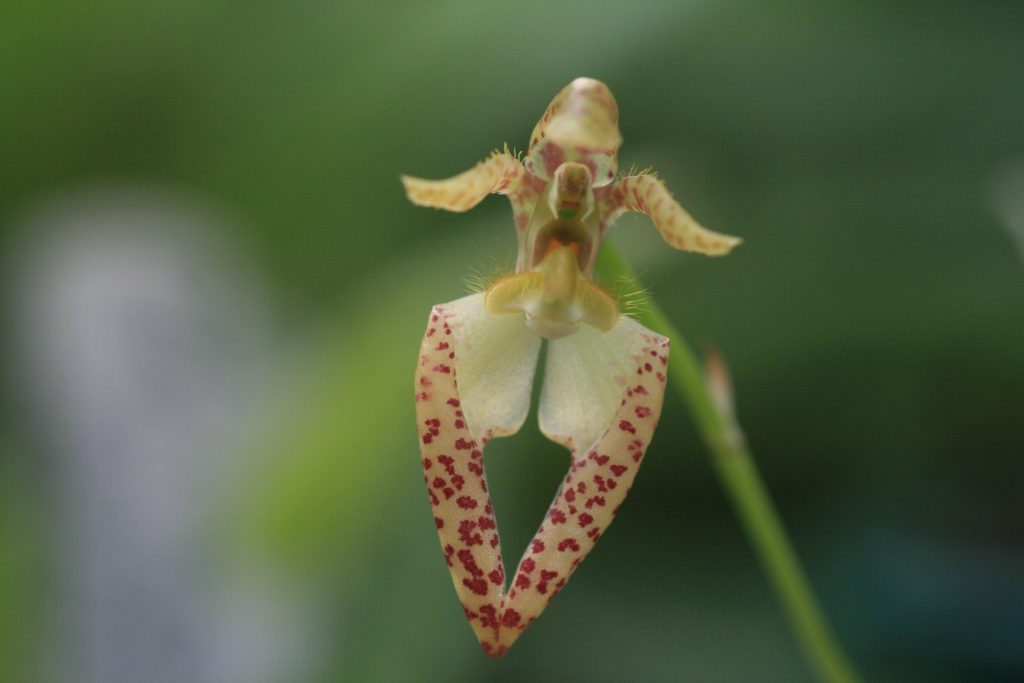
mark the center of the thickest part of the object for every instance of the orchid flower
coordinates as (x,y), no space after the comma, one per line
(604,379)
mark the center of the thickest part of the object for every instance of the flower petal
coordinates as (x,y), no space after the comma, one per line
(647,194)
(581,124)
(501,173)
(495,360)
(586,377)
(600,474)
(473,383)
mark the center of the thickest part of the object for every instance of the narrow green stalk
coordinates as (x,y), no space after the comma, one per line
(738,473)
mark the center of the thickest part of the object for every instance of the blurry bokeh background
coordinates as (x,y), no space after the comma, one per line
(213,293)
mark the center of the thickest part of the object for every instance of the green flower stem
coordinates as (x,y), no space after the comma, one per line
(738,473)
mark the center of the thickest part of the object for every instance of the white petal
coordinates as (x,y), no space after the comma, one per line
(586,378)
(495,360)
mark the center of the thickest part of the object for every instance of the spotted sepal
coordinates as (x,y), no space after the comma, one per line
(581,124)
(501,173)
(648,195)
(473,383)
(466,356)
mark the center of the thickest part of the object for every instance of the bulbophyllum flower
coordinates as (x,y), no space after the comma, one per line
(604,378)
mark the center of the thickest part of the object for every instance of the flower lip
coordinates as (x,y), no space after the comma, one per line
(555,296)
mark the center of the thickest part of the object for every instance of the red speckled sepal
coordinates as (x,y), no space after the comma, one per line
(452,454)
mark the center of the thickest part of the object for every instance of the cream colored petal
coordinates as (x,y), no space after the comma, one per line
(472,383)
(601,473)
(647,194)
(581,124)
(501,173)
(495,357)
(585,378)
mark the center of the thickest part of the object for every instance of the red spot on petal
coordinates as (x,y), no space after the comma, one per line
(617,470)
(467,535)
(585,519)
(569,544)
(627,426)
(488,616)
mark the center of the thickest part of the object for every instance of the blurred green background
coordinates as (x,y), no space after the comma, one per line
(870,154)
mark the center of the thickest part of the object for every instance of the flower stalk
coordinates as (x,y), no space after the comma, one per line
(709,399)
